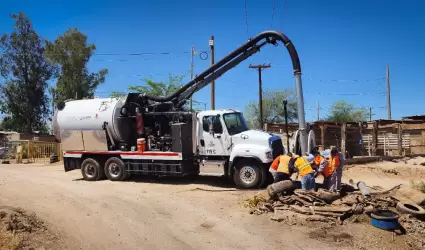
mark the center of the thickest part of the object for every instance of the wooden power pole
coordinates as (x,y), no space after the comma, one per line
(388,92)
(317,111)
(370,113)
(211,42)
(260,89)
(191,72)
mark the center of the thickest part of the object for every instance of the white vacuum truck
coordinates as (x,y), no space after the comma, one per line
(142,134)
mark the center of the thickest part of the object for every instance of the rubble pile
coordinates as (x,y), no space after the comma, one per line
(323,205)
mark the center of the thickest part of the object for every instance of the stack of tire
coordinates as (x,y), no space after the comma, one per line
(54,158)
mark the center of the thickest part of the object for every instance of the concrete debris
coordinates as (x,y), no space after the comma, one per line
(412,224)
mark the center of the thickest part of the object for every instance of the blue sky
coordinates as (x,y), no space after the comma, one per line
(343,45)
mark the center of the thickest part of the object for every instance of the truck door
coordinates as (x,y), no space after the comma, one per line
(211,143)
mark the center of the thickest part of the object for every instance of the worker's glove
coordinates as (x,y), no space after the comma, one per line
(273,172)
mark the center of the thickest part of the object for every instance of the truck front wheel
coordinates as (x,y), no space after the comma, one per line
(91,170)
(248,174)
(115,169)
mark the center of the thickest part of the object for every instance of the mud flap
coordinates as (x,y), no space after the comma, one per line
(71,164)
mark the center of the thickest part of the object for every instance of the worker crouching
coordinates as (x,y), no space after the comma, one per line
(332,171)
(306,172)
(280,167)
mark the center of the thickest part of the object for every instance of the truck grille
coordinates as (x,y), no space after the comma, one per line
(276,146)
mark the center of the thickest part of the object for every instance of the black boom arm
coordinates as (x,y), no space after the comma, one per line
(251,47)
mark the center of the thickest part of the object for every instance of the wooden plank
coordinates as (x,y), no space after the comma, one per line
(343,138)
(412,126)
(388,126)
(322,134)
(374,138)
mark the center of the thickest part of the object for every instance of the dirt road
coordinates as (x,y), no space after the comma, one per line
(144,214)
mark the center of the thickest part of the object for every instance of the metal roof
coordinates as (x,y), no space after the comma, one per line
(415,117)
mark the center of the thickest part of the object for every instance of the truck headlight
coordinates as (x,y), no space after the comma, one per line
(269,154)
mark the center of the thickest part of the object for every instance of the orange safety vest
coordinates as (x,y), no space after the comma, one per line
(284,164)
(303,166)
(317,159)
(333,165)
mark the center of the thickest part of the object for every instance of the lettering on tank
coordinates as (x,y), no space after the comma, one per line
(80,118)
(211,151)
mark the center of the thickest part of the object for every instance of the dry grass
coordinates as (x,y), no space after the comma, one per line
(420,186)
(8,241)
(253,202)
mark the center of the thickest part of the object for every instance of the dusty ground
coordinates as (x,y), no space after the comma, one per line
(20,230)
(173,214)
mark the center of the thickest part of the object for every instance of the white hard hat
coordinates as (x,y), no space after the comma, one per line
(310,158)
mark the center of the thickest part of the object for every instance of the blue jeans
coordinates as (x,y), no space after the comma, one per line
(281,177)
(308,182)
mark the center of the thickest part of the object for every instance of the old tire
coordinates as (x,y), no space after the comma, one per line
(412,209)
(91,170)
(248,174)
(115,169)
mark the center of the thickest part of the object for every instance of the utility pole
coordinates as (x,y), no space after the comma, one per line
(191,71)
(211,42)
(317,111)
(388,92)
(285,110)
(370,114)
(260,89)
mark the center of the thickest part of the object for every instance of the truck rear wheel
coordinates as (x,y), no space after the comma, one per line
(115,169)
(248,174)
(91,170)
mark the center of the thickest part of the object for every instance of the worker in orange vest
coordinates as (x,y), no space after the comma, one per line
(303,166)
(333,170)
(318,162)
(280,167)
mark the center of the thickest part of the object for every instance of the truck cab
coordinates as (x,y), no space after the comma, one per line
(228,147)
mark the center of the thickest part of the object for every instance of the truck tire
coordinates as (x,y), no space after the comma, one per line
(248,174)
(91,170)
(412,209)
(115,169)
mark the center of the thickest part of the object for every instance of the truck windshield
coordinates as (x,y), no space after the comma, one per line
(235,123)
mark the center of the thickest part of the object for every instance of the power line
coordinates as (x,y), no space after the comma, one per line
(128,54)
(348,94)
(346,80)
(274,6)
(246,18)
(283,12)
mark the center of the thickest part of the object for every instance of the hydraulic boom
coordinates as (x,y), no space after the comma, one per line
(179,98)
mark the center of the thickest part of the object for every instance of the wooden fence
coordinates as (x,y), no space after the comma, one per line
(376,138)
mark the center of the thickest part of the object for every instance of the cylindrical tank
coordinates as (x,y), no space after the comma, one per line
(91,114)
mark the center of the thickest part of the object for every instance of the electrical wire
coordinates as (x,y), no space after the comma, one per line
(345,80)
(274,6)
(283,12)
(131,54)
(246,18)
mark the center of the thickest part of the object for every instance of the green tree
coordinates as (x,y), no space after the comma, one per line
(26,71)
(341,111)
(151,87)
(272,108)
(72,53)
(159,88)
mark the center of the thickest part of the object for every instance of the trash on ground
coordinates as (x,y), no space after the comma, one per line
(286,202)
